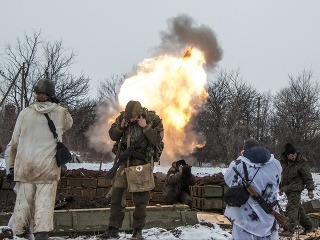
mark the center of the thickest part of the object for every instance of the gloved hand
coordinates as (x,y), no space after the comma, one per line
(186,171)
(10,175)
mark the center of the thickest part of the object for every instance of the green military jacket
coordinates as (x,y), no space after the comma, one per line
(175,183)
(153,133)
(296,175)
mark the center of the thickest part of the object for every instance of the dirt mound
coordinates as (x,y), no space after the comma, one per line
(69,201)
(215,179)
(85,173)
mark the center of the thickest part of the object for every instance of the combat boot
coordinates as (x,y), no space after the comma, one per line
(41,236)
(137,234)
(6,233)
(111,232)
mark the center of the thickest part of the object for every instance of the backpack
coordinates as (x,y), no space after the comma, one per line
(238,195)
(154,119)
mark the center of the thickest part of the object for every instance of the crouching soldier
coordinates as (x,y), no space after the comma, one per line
(176,188)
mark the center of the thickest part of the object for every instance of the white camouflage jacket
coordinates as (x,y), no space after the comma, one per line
(250,216)
(33,147)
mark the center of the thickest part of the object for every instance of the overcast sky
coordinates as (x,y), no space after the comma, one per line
(266,40)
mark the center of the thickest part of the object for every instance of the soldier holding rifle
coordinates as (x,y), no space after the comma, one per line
(260,173)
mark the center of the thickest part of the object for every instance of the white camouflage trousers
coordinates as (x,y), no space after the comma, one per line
(37,201)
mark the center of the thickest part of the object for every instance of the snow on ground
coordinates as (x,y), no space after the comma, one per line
(201,231)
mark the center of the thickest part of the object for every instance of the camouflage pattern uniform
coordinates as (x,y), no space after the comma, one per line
(296,176)
(176,188)
(153,135)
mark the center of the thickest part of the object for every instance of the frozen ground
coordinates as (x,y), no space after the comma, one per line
(199,231)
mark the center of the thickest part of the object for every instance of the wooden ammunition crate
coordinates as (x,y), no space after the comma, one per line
(102,192)
(158,186)
(156,197)
(311,206)
(208,203)
(315,217)
(79,191)
(104,183)
(78,182)
(7,195)
(207,191)
(95,220)
(7,185)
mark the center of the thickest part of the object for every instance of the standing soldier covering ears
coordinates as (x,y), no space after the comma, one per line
(134,123)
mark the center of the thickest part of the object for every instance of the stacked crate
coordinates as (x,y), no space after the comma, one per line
(156,194)
(6,191)
(208,197)
(91,187)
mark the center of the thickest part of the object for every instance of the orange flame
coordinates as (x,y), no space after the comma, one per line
(175,89)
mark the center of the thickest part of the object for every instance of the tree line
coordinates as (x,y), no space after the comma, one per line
(233,112)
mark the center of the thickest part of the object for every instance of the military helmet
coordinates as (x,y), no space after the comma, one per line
(133,109)
(46,86)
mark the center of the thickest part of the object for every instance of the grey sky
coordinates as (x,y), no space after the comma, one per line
(267,40)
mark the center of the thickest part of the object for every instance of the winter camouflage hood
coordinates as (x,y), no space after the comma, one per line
(44,107)
(257,155)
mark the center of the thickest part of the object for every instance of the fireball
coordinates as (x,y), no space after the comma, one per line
(174,87)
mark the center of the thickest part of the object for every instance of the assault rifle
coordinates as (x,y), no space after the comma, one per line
(130,151)
(281,219)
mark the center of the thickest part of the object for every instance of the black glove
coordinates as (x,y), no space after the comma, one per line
(10,175)
(186,171)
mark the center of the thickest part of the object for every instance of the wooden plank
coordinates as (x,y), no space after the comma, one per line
(214,218)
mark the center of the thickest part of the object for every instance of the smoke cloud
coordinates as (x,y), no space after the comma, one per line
(182,31)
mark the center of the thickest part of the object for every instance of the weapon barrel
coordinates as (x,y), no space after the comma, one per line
(112,172)
(124,156)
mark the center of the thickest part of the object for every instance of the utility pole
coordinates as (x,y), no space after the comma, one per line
(11,85)
(22,88)
(258,120)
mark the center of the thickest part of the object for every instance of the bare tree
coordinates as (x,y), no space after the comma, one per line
(26,61)
(229,117)
(297,113)
(109,89)
(36,56)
